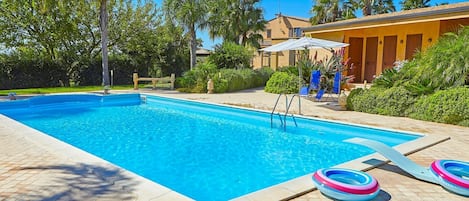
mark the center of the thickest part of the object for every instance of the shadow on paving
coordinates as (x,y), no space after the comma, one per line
(81,182)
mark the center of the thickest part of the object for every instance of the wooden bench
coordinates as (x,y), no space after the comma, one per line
(171,80)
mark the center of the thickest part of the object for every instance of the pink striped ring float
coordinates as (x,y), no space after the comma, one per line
(453,175)
(346,184)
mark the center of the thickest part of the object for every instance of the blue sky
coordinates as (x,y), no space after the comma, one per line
(298,8)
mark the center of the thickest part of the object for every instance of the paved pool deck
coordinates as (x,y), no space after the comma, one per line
(34,166)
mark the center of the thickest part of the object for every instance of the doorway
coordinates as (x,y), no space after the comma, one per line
(389,52)
(371,58)
(413,44)
(355,52)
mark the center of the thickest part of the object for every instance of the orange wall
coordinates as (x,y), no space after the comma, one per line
(430,32)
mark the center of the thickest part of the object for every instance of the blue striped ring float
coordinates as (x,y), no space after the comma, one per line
(346,184)
(453,175)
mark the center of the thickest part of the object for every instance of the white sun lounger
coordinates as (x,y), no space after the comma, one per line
(397,158)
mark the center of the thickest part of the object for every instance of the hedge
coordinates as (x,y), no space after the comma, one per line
(91,73)
(445,106)
(19,74)
(394,101)
(225,80)
(37,73)
(282,82)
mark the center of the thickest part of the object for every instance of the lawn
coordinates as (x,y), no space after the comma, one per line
(72,89)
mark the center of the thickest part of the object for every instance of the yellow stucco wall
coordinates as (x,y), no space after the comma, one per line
(280,29)
(430,33)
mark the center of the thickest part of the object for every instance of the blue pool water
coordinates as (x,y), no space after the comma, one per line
(204,151)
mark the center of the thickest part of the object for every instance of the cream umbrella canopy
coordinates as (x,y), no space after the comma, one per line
(277,47)
(304,43)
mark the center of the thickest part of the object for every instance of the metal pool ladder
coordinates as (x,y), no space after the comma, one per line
(283,117)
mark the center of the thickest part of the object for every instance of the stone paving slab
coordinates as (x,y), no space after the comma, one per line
(40,168)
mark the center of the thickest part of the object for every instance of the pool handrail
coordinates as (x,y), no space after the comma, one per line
(400,160)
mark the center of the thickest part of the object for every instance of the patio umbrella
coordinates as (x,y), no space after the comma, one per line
(276,47)
(302,43)
(308,43)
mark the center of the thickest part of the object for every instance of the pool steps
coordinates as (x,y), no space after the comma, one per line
(283,120)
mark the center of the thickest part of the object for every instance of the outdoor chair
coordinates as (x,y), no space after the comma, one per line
(335,90)
(313,85)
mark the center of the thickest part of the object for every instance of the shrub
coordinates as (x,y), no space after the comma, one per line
(230,55)
(386,79)
(234,78)
(364,100)
(282,82)
(443,65)
(293,70)
(195,81)
(18,73)
(91,73)
(351,96)
(445,106)
(225,80)
(262,76)
(394,101)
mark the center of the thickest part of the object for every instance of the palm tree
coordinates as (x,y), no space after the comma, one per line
(190,14)
(238,21)
(348,10)
(325,11)
(372,7)
(383,6)
(103,21)
(413,4)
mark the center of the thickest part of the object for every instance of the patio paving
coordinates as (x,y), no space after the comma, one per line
(38,167)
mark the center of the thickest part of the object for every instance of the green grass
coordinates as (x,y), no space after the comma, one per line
(51,90)
(63,89)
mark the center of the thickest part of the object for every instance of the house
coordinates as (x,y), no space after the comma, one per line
(378,41)
(277,30)
(202,54)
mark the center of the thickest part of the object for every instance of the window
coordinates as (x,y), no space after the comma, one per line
(269,33)
(295,32)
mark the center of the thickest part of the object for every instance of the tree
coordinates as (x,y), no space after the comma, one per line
(238,21)
(325,11)
(69,33)
(230,55)
(383,6)
(190,14)
(413,4)
(373,7)
(348,11)
(103,19)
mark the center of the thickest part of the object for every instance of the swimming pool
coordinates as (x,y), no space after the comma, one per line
(207,152)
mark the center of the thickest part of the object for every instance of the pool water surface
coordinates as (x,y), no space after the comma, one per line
(204,151)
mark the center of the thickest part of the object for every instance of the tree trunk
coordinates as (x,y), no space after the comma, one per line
(104,40)
(193,46)
(367,9)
